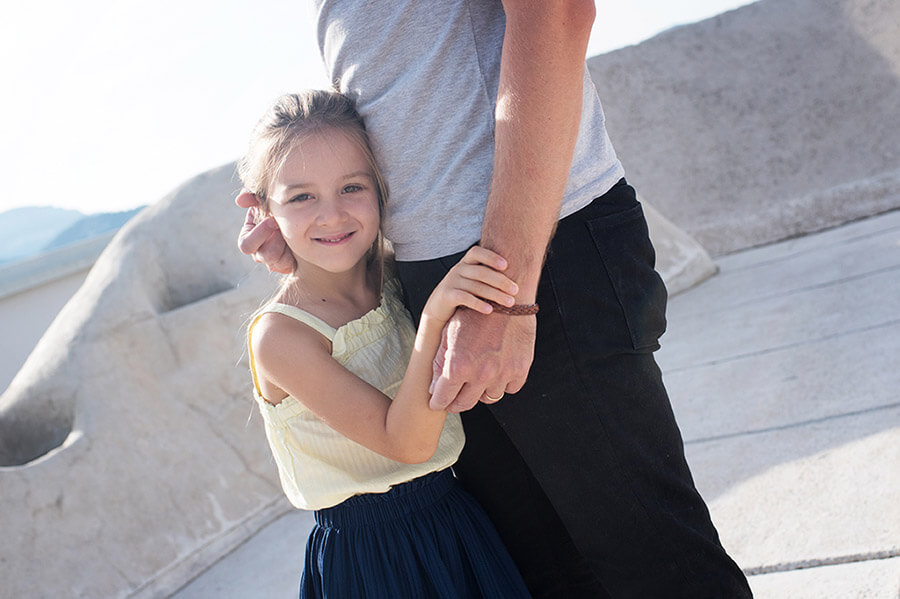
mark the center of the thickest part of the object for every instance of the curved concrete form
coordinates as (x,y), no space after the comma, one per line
(763,123)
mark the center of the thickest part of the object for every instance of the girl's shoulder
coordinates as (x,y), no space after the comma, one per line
(277,312)
(278,334)
(280,344)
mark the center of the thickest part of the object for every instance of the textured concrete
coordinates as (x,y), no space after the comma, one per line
(33,291)
(794,328)
(874,579)
(793,434)
(129,461)
(782,373)
(680,259)
(267,565)
(760,123)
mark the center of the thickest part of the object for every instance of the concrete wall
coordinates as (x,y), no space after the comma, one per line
(128,456)
(32,292)
(25,316)
(769,121)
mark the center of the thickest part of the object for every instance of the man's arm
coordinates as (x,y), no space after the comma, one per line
(537,119)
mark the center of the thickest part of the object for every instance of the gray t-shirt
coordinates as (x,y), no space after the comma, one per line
(424,76)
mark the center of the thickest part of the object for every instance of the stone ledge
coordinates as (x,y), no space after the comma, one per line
(51,265)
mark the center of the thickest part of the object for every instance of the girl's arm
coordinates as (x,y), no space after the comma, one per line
(298,360)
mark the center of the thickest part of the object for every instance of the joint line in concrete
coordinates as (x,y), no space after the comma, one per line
(783,427)
(820,562)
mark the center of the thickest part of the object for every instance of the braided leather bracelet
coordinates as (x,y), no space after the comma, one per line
(516,310)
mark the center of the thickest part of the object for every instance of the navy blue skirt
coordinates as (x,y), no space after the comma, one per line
(424,538)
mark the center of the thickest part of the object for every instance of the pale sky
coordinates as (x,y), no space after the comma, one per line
(107,105)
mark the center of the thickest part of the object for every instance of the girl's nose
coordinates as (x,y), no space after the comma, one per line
(330,211)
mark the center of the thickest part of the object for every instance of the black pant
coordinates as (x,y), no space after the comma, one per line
(583,471)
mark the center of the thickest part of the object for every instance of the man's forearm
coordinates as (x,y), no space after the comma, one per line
(538,114)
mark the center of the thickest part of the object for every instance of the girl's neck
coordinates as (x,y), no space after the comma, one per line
(336,298)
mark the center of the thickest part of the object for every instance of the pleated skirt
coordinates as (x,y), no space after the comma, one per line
(427,538)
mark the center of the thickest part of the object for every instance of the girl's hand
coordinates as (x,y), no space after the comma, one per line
(477,277)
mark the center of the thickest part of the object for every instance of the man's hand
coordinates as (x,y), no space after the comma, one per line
(262,240)
(482,356)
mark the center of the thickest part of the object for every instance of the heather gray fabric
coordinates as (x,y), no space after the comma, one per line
(431,120)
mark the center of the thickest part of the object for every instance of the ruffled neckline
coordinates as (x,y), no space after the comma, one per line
(338,336)
(290,405)
(356,326)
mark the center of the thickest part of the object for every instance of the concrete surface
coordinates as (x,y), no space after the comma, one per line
(680,259)
(756,125)
(128,461)
(33,291)
(783,374)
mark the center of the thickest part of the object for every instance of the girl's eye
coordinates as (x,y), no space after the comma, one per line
(300,197)
(352,188)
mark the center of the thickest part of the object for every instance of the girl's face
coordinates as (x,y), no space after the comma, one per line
(325,201)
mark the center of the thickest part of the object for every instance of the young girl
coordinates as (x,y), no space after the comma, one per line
(330,352)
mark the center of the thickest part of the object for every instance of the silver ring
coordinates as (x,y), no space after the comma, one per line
(493,399)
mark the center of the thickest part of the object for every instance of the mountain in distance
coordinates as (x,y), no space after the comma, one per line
(33,229)
(25,231)
(91,225)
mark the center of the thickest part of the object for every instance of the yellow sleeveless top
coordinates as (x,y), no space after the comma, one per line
(318,466)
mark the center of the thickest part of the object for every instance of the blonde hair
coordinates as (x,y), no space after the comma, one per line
(292,119)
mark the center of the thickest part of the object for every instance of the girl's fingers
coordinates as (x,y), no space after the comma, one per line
(467,300)
(480,255)
(485,292)
(477,279)
(488,276)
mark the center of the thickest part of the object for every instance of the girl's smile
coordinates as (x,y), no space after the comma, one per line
(336,239)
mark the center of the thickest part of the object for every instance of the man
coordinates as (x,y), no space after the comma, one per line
(489,131)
